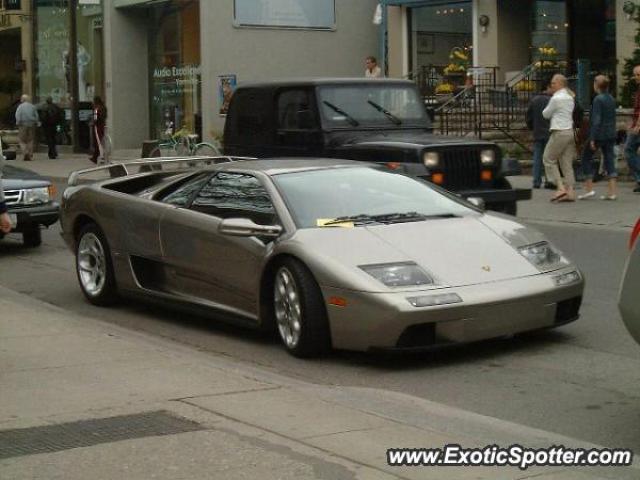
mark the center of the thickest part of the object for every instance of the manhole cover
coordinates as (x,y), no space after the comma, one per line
(85,433)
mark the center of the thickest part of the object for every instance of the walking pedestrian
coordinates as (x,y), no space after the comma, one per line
(540,127)
(633,135)
(27,121)
(561,147)
(602,135)
(51,118)
(372,69)
(97,130)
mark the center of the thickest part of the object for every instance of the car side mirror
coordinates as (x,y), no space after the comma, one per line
(478,202)
(243,227)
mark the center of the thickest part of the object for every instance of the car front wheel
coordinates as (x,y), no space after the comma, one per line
(93,266)
(300,314)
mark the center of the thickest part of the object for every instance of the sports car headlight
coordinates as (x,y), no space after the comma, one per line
(487,157)
(431,159)
(404,274)
(543,256)
(36,195)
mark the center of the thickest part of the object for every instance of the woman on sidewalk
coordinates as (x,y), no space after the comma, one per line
(97,130)
(561,148)
(602,135)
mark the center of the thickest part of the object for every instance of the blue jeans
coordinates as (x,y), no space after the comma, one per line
(606,147)
(538,151)
(631,154)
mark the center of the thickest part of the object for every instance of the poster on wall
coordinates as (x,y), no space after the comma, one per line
(315,14)
(226,86)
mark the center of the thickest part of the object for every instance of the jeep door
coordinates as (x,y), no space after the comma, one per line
(298,131)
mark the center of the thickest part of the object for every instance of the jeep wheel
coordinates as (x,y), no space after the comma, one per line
(32,237)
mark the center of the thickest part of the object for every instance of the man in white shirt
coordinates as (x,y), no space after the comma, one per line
(561,148)
(372,70)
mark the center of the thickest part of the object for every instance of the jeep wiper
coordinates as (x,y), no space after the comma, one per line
(352,121)
(409,217)
(360,218)
(389,115)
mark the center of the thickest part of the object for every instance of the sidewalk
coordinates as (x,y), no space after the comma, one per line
(86,399)
(623,213)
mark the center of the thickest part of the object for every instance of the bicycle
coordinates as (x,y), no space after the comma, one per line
(182,144)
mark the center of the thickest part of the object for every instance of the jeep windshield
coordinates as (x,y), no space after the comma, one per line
(371,105)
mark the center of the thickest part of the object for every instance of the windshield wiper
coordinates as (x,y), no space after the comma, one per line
(360,218)
(352,121)
(389,115)
(410,217)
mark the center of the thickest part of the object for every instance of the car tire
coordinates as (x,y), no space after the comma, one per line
(93,266)
(300,315)
(32,237)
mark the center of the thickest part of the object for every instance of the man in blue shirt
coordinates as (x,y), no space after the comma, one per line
(602,135)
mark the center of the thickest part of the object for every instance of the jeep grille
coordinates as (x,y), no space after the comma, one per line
(461,167)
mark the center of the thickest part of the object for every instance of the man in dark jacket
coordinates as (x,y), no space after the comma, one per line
(51,118)
(602,135)
(540,127)
(5,221)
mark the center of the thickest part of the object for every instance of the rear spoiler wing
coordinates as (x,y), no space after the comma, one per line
(116,170)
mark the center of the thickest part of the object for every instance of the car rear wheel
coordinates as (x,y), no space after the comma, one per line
(32,237)
(300,314)
(93,266)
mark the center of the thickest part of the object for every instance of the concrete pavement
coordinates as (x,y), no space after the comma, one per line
(62,375)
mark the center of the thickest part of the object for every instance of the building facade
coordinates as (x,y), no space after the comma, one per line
(505,33)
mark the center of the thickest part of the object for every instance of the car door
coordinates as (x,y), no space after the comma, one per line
(298,132)
(213,267)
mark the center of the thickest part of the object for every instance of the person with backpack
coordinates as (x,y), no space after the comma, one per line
(602,135)
(561,147)
(51,118)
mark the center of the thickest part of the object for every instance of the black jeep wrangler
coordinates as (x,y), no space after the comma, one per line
(373,120)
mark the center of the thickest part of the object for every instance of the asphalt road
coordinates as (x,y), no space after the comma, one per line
(582,380)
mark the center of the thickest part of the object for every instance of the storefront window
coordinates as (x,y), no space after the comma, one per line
(440,30)
(549,32)
(53,72)
(175,68)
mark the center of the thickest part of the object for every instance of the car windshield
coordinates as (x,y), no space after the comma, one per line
(362,196)
(371,105)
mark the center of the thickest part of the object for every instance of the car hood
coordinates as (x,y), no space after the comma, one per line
(15,178)
(457,251)
(417,138)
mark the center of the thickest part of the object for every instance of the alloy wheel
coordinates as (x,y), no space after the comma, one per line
(288,308)
(92,265)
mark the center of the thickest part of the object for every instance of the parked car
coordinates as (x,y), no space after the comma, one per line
(373,120)
(628,302)
(326,252)
(30,201)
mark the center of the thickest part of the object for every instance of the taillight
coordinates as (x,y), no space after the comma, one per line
(634,234)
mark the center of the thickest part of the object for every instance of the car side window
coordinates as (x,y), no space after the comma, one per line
(182,196)
(295,111)
(238,195)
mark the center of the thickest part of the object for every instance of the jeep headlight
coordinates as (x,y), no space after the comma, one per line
(431,159)
(543,256)
(487,157)
(402,274)
(33,196)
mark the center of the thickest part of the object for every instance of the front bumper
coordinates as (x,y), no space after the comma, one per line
(388,321)
(27,217)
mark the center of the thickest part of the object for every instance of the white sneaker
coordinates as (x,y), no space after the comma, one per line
(584,196)
(608,197)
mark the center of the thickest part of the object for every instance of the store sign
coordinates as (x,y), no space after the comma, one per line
(180,74)
(315,14)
